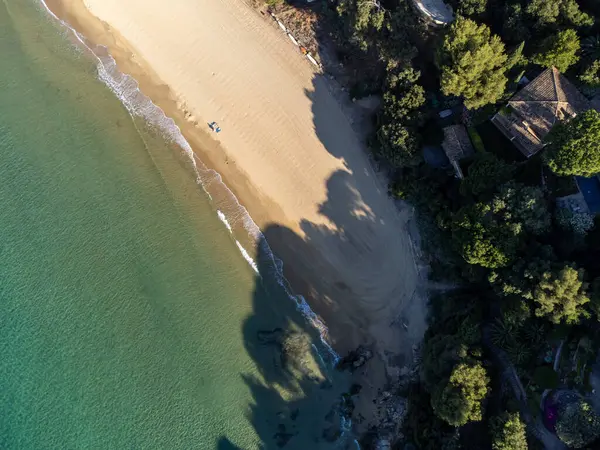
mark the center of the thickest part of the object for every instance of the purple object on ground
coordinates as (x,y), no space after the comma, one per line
(550,417)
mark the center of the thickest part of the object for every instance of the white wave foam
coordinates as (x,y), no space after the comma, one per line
(127,90)
(224,220)
(54,15)
(317,324)
(247,257)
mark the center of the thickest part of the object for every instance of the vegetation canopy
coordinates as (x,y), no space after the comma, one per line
(460,400)
(574,146)
(559,50)
(508,432)
(472,64)
(561,296)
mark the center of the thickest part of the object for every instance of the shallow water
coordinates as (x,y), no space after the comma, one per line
(129,318)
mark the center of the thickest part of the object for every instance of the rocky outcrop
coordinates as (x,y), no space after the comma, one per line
(355,359)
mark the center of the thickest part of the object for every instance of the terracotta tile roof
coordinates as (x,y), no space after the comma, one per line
(535,109)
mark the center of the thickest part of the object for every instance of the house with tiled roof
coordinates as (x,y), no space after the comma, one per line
(532,112)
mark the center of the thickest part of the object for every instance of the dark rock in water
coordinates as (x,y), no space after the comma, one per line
(281,428)
(355,389)
(369,439)
(355,359)
(294,414)
(332,433)
(333,421)
(270,337)
(326,385)
(347,406)
(281,439)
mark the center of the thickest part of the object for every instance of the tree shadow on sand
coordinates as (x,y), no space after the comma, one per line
(360,255)
(355,268)
(299,399)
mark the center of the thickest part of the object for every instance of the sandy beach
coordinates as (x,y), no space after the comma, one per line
(286,150)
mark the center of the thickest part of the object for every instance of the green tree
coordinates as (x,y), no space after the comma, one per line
(485,174)
(595,298)
(469,7)
(514,27)
(472,63)
(425,429)
(508,432)
(574,146)
(399,144)
(524,275)
(559,50)
(567,12)
(361,18)
(362,14)
(544,12)
(483,241)
(516,57)
(459,401)
(590,47)
(522,204)
(572,15)
(397,138)
(403,96)
(561,296)
(578,425)
(369,13)
(591,74)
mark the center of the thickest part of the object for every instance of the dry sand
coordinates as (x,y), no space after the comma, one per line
(286,150)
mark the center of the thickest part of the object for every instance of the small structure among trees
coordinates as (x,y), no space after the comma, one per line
(533,111)
(457,146)
(436,11)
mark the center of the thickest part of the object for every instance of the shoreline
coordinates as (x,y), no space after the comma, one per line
(284,234)
(204,145)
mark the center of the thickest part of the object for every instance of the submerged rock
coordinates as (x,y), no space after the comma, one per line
(355,359)
(281,439)
(297,355)
(270,336)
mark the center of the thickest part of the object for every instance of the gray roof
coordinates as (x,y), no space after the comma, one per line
(457,145)
(436,10)
(534,110)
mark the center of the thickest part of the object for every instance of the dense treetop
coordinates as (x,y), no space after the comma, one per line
(508,432)
(554,12)
(561,296)
(559,50)
(472,63)
(574,146)
(401,102)
(459,400)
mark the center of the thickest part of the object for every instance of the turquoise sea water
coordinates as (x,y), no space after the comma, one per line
(129,318)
